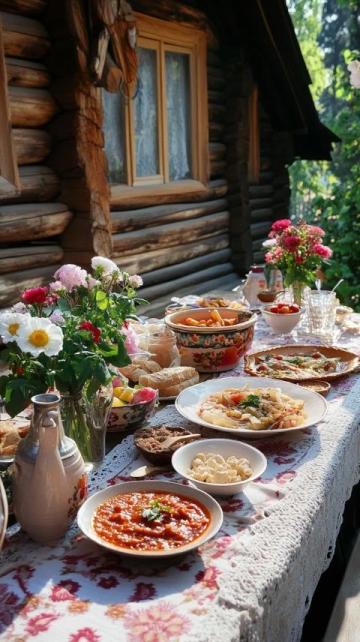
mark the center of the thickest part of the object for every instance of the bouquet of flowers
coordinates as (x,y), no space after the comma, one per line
(69,334)
(296,250)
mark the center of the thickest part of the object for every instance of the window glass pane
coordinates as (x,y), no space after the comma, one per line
(178,114)
(146,115)
(114,133)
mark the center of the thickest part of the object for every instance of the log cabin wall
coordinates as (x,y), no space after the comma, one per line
(253,205)
(32,221)
(181,242)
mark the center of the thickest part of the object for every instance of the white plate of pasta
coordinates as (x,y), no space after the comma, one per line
(251,407)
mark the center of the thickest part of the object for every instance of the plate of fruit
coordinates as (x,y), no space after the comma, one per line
(131,405)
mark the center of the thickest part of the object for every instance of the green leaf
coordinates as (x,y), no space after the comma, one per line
(102,300)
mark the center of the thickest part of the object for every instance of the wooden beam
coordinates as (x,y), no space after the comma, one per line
(31,145)
(155,259)
(37,183)
(31,107)
(187,267)
(26,7)
(168,235)
(26,73)
(173,286)
(13,284)
(24,258)
(124,221)
(134,198)
(27,222)
(24,37)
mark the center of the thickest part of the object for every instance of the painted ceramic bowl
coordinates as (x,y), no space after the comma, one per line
(212,349)
(130,415)
(281,323)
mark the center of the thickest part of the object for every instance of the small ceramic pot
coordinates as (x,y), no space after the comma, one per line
(212,349)
(130,415)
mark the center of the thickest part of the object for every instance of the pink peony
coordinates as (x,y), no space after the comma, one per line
(56,286)
(280,225)
(144,395)
(71,276)
(322,250)
(291,242)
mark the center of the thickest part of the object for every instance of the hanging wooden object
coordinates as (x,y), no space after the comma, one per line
(105,35)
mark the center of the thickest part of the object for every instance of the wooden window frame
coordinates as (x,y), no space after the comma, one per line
(254,136)
(169,36)
(9,174)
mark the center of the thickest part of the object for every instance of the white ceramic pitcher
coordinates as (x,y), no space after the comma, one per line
(49,476)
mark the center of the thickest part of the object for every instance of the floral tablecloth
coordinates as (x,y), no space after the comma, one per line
(253,582)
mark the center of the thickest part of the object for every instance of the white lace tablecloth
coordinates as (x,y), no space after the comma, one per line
(252,583)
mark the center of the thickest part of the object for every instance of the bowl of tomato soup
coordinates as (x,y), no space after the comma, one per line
(150,518)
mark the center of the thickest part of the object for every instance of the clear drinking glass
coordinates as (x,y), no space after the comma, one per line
(321,313)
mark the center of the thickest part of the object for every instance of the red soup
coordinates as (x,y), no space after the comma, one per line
(147,521)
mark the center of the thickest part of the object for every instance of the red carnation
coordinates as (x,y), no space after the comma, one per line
(35,296)
(291,242)
(90,327)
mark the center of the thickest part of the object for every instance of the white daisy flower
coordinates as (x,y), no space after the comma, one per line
(40,335)
(10,325)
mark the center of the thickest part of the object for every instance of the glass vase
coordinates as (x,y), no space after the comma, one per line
(297,290)
(85,420)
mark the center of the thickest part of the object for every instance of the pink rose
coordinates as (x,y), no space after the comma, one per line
(322,250)
(71,276)
(131,338)
(269,257)
(291,242)
(281,225)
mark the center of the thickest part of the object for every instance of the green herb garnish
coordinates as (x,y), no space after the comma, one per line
(154,512)
(297,361)
(251,401)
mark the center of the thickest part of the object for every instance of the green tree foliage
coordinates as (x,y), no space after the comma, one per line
(329,192)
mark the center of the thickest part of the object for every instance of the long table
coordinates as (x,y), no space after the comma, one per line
(252,583)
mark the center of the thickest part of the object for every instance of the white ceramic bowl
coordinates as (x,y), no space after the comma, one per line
(86,512)
(182,458)
(281,323)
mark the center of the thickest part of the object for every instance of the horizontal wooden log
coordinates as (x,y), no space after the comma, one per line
(258,245)
(37,183)
(217,112)
(155,259)
(31,107)
(187,267)
(125,221)
(168,235)
(217,168)
(217,151)
(216,132)
(258,257)
(200,276)
(259,229)
(28,222)
(259,191)
(226,283)
(259,203)
(24,258)
(31,145)
(263,215)
(14,283)
(24,37)
(216,78)
(26,7)
(26,73)
(172,193)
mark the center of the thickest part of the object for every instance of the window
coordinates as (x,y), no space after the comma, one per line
(161,135)
(9,177)
(254,136)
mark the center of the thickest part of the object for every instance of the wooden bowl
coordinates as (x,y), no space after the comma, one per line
(322,387)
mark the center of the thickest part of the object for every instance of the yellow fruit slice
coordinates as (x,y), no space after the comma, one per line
(117,403)
(118,391)
(126,395)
